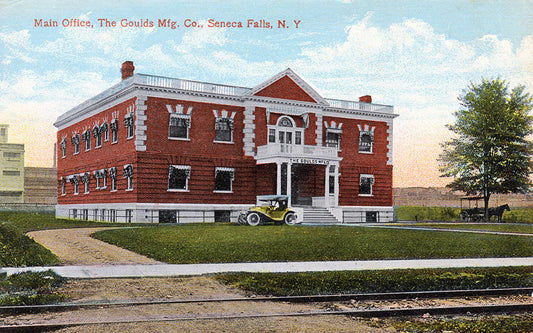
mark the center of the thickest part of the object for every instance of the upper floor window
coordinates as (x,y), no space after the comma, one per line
(114,131)
(75,181)
(76,143)
(87,139)
(333,134)
(104,129)
(178,177)
(224,179)
(179,125)
(129,123)
(366,138)
(63,145)
(224,129)
(128,174)
(97,133)
(366,183)
(11,156)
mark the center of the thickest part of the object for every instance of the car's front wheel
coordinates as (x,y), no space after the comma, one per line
(253,219)
(290,218)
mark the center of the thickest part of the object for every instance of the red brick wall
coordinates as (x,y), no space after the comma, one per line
(261,131)
(354,164)
(108,155)
(286,88)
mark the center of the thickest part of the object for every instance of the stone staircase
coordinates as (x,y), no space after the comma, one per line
(318,215)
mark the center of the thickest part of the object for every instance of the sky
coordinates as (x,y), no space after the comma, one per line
(418,56)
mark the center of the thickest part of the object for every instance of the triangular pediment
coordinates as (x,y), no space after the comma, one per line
(287,85)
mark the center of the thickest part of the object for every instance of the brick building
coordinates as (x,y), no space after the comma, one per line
(160,149)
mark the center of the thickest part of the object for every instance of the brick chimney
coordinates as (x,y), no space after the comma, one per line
(127,69)
(365,99)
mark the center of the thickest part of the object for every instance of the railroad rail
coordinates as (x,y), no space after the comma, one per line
(364,313)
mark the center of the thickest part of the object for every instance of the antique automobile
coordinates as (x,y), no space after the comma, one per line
(274,210)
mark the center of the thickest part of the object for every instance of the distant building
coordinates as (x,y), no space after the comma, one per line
(40,186)
(11,169)
(161,149)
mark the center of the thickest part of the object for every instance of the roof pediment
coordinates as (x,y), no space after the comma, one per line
(287,85)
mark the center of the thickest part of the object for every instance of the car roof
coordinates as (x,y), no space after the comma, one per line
(272,197)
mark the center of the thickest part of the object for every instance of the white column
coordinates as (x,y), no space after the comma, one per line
(278,190)
(289,180)
(336,185)
(326,187)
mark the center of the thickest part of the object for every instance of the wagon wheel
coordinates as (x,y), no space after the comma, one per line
(253,219)
(290,218)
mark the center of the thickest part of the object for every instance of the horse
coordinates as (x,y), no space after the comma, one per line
(498,211)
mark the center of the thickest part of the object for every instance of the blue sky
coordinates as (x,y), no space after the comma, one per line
(415,55)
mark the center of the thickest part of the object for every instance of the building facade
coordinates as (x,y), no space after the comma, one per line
(12,169)
(160,149)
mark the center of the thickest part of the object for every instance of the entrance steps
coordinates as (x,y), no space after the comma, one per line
(318,215)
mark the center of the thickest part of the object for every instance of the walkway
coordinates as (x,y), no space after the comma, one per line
(161,270)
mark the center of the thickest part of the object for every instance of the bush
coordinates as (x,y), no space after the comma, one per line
(30,288)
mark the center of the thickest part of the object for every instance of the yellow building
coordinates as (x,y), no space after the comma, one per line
(11,169)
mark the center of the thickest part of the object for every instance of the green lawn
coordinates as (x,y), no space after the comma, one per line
(524,229)
(428,213)
(27,221)
(201,243)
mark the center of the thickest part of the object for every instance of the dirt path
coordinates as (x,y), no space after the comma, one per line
(76,247)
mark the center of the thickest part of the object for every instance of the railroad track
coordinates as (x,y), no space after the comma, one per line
(20,326)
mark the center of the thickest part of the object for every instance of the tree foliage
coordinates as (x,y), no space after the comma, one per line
(490,151)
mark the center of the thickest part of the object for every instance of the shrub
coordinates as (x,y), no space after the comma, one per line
(30,288)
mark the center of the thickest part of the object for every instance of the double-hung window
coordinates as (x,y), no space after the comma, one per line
(129,123)
(76,143)
(113,177)
(76,183)
(114,131)
(86,179)
(224,179)
(87,139)
(63,145)
(178,177)
(63,187)
(128,174)
(178,127)
(97,133)
(366,184)
(366,139)
(223,129)
(333,139)
(104,129)
(101,178)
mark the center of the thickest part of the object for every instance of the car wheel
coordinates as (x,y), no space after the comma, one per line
(290,218)
(253,219)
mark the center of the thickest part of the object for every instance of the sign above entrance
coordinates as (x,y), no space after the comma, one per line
(309,161)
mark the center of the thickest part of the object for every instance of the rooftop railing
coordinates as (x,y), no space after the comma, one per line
(168,82)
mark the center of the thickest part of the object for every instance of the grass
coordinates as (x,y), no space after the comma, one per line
(524,229)
(28,221)
(30,288)
(422,213)
(201,243)
(347,282)
(17,249)
(496,324)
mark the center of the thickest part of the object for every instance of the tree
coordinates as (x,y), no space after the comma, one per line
(490,151)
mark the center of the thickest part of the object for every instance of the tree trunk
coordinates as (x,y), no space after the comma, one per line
(486,199)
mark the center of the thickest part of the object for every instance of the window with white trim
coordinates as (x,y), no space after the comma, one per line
(86,136)
(97,133)
(333,138)
(178,177)
(86,179)
(113,177)
(76,143)
(129,124)
(104,129)
(366,184)
(224,129)
(101,178)
(366,138)
(114,131)
(178,127)
(62,185)
(63,145)
(224,178)
(75,179)
(128,174)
